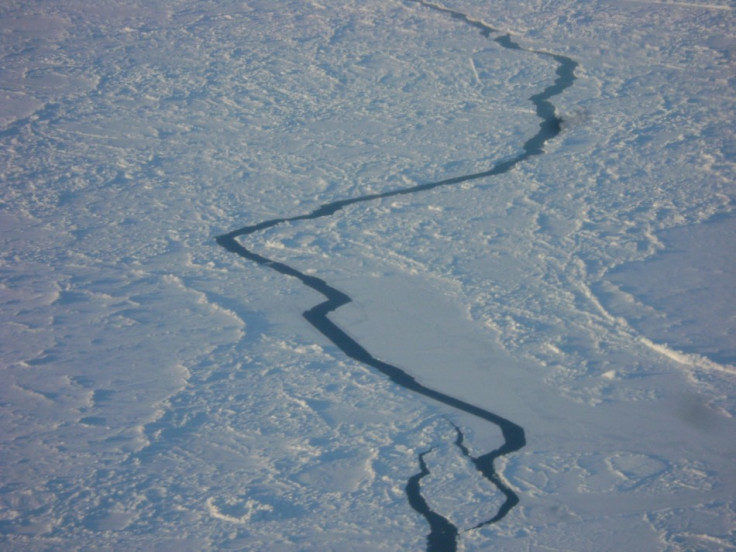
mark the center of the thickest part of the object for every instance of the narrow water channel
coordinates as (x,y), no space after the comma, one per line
(443,534)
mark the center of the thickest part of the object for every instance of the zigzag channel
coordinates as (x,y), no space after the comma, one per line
(443,534)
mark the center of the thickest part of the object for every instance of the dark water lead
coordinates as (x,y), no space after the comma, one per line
(443,534)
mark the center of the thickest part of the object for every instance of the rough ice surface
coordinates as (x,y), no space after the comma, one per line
(161,394)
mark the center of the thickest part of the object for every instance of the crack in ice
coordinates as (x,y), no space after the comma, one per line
(443,534)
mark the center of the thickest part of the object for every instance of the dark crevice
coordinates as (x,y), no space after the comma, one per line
(484,464)
(443,534)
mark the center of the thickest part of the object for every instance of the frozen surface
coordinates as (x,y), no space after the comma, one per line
(684,295)
(161,394)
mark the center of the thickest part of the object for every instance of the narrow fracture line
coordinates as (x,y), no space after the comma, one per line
(484,464)
(442,534)
(317,316)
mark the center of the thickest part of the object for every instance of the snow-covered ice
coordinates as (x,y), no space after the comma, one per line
(160,393)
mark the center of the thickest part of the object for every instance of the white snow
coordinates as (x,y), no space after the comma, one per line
(160,393)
